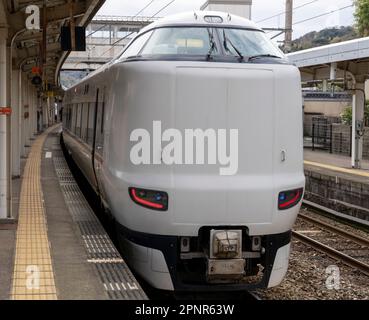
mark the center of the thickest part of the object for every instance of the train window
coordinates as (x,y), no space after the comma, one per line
(66,116)
(181,41)
(248,42)
(135,47)
(69,125)
(91,120)
(87,121)
(84,121)
(99,128)
(75,107)
(102,116)
(81,121)
(78,120)
(186,42)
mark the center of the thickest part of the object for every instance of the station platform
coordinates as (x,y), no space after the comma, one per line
(336,164)
(332,183)
(56,247)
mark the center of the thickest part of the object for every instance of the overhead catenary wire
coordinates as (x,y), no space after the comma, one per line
(144,8)
(324,14)
(98,29)
(139,12)
(126,36)
(163,8)
(318,16)
(284,12)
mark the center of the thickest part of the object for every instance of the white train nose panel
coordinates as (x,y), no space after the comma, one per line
(226,98)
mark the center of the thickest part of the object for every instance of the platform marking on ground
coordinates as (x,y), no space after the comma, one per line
(356,172)
(114,274)
(33,276)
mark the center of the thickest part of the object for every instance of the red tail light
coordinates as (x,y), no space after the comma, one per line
(156,200)
(288,199)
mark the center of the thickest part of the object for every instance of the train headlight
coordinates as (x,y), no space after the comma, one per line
(288,199)
(152,199)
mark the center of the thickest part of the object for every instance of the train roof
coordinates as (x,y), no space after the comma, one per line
(199,18)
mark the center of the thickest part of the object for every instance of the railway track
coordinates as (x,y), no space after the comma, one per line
(331,250)
(326,226)
(333,213)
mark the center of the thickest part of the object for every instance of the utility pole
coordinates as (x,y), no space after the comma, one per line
(288,25)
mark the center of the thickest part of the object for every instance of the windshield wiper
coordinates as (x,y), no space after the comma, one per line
(267,55)
(225,43)
(212,45)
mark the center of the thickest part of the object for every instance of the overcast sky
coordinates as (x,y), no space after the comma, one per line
(261,9)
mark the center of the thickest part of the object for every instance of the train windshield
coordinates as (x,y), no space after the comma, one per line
(180,41)
(248,43)
(204,42)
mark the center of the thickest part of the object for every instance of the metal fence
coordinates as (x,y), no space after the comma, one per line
(341,139)
(322,136)
(318,132)
(328,134)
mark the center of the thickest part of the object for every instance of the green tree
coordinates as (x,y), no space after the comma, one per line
(362,16)
(346,115)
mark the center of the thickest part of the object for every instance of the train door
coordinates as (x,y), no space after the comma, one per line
(98,139)
(100,125)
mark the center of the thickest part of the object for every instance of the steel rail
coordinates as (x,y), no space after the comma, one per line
(330,211)
(333,253)
(326,226)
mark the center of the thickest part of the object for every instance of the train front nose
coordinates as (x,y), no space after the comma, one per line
(217,158)
(234,182)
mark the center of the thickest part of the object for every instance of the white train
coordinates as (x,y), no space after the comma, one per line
(192,138)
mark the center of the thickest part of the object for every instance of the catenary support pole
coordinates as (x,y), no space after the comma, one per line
(16,111)
(3,132)
(358,102)
(288,25)
(23,110)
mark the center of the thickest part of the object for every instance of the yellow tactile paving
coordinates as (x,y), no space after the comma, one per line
(355,172)
(33,276)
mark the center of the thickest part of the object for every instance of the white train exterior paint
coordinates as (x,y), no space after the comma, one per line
(262,100)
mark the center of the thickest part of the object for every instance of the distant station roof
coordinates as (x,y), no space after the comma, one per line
(343,51)
(118,20)
(350,56)
(27,44)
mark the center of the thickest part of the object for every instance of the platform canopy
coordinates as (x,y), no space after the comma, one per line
(28,45)
(351,56)
(31,56)
(348,62)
